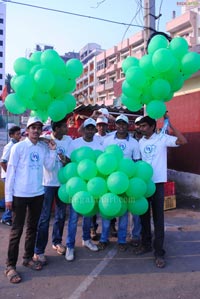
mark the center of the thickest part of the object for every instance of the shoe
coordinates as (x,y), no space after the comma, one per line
(122,247)
(40,258)
(7,222)
(135,242)
(69,255)
(160,262)
(142,250)
(102,245)
(88,244)
(61,249)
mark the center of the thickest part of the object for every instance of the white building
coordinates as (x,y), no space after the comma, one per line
(2,44)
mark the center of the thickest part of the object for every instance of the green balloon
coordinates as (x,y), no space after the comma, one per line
(97,187)
(35,57)
(95,211)
(190,63)
(63,194)
(178,46)
(61,176)
(74,68)
(41,100)
(115,150)
(157,42)
(138,206)
(144,170)
(160,88)
(162,60)
(135,76)
(50,59)
(97,153)
(130,90)
(137,188)
(24,86)
(133,104)
(151,188)
(59,86)
(106,163)
(44,79)
(69,101)
(34,69)
(87,169)
(110,205)
(177,83)
(74,185)
(70,170)
(22,66)
(57,110)
(147,66)
(124,207)
(42,114)
(128,62)
(83,202)
(117,182)
(70,85)
(14,104)
(127,166)
(156,109)
(81,153)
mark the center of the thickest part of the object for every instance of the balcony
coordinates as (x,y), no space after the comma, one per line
(109,85)
(186,20)
(111,68)
(111,52)
(100,88)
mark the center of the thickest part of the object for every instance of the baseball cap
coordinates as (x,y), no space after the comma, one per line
(122,117)
(138,119)
(104,111)
(102,120)
(89,121)
(32,120)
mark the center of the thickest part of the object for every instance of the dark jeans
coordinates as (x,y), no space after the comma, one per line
(51,193)
(156,203)
(22,205)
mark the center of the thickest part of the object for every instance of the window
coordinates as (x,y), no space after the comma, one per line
(1,43)
(1,54)
(1,21)
(1,32)
(1,76)
(1,64)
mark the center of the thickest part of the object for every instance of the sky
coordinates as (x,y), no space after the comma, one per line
(28,26)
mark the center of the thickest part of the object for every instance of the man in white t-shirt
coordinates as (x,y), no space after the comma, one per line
(24,194)
(130,148)
(51,186)
(153,148)
(88,131)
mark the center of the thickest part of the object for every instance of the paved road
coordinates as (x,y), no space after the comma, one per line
(112,274)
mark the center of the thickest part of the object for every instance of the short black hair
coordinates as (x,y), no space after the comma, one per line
(150,121)
(58,124)
(13,130)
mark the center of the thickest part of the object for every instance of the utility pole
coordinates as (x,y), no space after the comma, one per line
(149,20)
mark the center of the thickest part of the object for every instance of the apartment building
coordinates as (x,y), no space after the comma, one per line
(2,44)
(86,84)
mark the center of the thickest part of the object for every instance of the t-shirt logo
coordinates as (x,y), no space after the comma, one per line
(122,146)
(34,157)
(149,149)
(60,150)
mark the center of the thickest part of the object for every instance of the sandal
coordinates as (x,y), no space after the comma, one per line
(12,275)
(160,262)
(33,265)
(142,250)
(102,245)
(122,247)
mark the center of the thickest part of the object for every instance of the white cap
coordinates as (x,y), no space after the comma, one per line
(32,120)
(102,120)
(138,119)
(104,111)
(122,117)
(89,121)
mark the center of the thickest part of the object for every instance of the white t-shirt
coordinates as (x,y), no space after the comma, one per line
(129,146)
(25,169)
(154,152)
(80,142)
(50,178)
(6,154)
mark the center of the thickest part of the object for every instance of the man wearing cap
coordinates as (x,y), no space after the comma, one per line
(87,139)
(153,149)
(130,148)
(24,191)
(137,133)
(51,186)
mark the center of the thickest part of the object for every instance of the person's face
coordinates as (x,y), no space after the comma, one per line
(146,129)
(17,135)
(102,128)
(121,127)
(62,130)
(137,128)
(34,131)
(89,131)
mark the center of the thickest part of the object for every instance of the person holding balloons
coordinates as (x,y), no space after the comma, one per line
(87,140)
(153,148)
(130,148)
(51,185)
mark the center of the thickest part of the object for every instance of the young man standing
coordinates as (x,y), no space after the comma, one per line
(15,136)
(153,149)
(24,193)
(51,186)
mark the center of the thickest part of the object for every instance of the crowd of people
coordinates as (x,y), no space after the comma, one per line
(30,169)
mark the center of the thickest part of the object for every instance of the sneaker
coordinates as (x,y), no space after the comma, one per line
(69,255)
(61,249)
(6,222)
(40,258)
(88,244)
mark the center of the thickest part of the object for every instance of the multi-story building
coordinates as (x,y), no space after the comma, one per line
(86,84)
(2,44)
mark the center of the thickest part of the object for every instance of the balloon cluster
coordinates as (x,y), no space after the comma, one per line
(105,182)
(44,84)
(154,78)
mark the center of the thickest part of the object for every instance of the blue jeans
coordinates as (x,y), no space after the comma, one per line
(137,227)
(122,229)
(43,225)
(7,215)
(72,228)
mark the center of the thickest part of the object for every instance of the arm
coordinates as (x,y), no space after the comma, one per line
(4,165)
(181,140)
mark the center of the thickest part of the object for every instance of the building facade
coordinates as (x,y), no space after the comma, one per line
(2,44)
